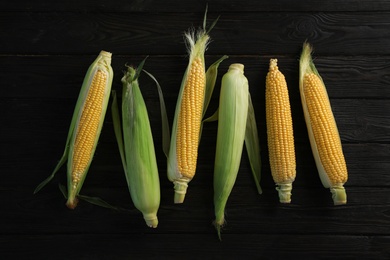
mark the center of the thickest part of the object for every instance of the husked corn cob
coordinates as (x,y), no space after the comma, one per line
(280,132)
(86,125)
(195,89)
(322,128)
(137,148)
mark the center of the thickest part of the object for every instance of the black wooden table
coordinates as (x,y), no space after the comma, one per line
(45,49)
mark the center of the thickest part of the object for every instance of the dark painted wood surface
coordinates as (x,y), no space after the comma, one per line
(45,49)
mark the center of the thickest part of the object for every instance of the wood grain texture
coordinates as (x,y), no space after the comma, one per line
(311,212)
(171,6)
(52,76)
(45,50)
(117,246)
(332,33)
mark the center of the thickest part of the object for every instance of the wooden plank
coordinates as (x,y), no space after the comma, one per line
(311,212)
(61,76)
(34,137)
(368,164)
(358,120)
(171,6)
(20,148)
(146,246)
(161,33)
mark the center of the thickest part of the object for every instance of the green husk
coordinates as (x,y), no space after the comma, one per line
(136,146)
(252,143)
(232,121)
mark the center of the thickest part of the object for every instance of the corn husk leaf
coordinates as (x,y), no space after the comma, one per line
(213,117)
(118,128)
(211,78)
(92,200)
(252,145)
(166,137)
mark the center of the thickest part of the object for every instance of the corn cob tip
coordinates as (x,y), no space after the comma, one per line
(106,54)
(284,191)
(72,203)
(273,64)
(339,195)
(180,187)
(219,232)
(151,220)
(218,224)
(237,66)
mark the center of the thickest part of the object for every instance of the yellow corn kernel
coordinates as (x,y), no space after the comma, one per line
(280,132)
(88,126)
(190,117)
(322,128)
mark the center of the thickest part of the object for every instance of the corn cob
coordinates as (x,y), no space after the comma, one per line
(190,107)
(86,125)
(232,120)
(322,129)
(137,148)
(280,132)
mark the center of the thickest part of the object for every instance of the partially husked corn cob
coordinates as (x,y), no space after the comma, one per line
(322,128)
(137,149)
(199,85)
(183,152)
(86,125)
(89,123)
(280,132)
(232,119)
